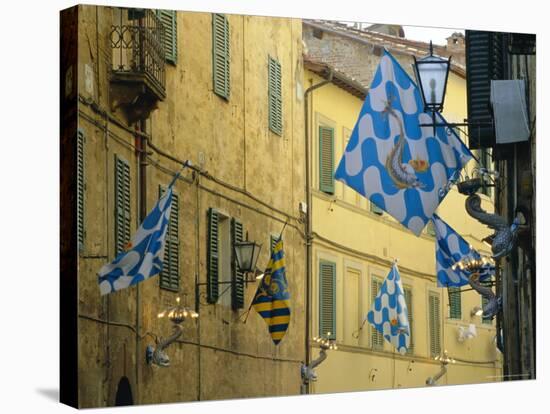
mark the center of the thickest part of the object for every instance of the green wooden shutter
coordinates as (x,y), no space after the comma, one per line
(170,34)
(327,299)
(455,303)
(486,283)
(408,301)
(375,209)
(170,275)
(434,324)
(326,160)
(80,188)
(237,288)
(275,96)
(122,204)
(212,287)
(377,339)
(221,55)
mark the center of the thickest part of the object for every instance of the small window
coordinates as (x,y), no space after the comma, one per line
(455,302)
(409,303)
(275,97)
(221,55)
(122,204)
(170,275)
(434,319)
(327,299)
(326,160)
(170,34)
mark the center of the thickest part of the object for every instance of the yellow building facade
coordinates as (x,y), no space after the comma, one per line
(354,246)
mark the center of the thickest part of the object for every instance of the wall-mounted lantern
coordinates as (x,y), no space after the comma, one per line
(247,253)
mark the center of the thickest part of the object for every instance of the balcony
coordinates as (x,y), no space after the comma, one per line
(137,71)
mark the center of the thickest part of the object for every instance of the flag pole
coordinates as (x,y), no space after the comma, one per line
(186,164)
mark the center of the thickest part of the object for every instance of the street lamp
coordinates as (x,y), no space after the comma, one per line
(247,253)
(431,73)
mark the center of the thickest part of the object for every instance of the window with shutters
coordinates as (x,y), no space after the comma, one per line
(122,204)
(80,188)
(486,283)
(237,286)
(169,34)
(170,275)
(455,303)
(408,301)
(327,299)
(221,55)
(326,159)
(213,265)
(434,319)
(377,339)
(275,96)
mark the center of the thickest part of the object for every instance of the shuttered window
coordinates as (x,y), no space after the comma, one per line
(326,159)
(80,188)
(170,34)
(220,55)
(408,301)
(455,303)
(377,339)
(213,260)
(122,204)
(327,299)
(170,275)
(434,309)
(375,209)
(486,283)
(275,96)
(237,277)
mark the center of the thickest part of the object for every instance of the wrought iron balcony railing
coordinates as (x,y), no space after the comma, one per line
(137,47)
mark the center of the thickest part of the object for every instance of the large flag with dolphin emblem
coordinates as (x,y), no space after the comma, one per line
(450,249)
(388,313)
(145,255)
(399,166)
(272,299)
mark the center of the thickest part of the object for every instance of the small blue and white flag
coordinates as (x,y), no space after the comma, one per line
(388,314)
(146,250)
(398,165)
(449,250)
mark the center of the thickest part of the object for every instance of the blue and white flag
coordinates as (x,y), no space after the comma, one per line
(146,251)
(399,166)
(388,314)
(449,250)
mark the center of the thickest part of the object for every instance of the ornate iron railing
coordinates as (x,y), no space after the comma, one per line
(137,47)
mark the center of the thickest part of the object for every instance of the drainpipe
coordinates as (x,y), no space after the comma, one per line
(308,217)
(141,148)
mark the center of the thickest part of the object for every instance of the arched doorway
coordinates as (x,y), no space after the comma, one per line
(124,393)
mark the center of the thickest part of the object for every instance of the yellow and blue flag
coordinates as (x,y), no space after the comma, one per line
(272,299)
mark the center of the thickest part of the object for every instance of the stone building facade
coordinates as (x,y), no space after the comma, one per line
(226,95)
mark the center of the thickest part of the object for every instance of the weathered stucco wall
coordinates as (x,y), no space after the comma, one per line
(217,356)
